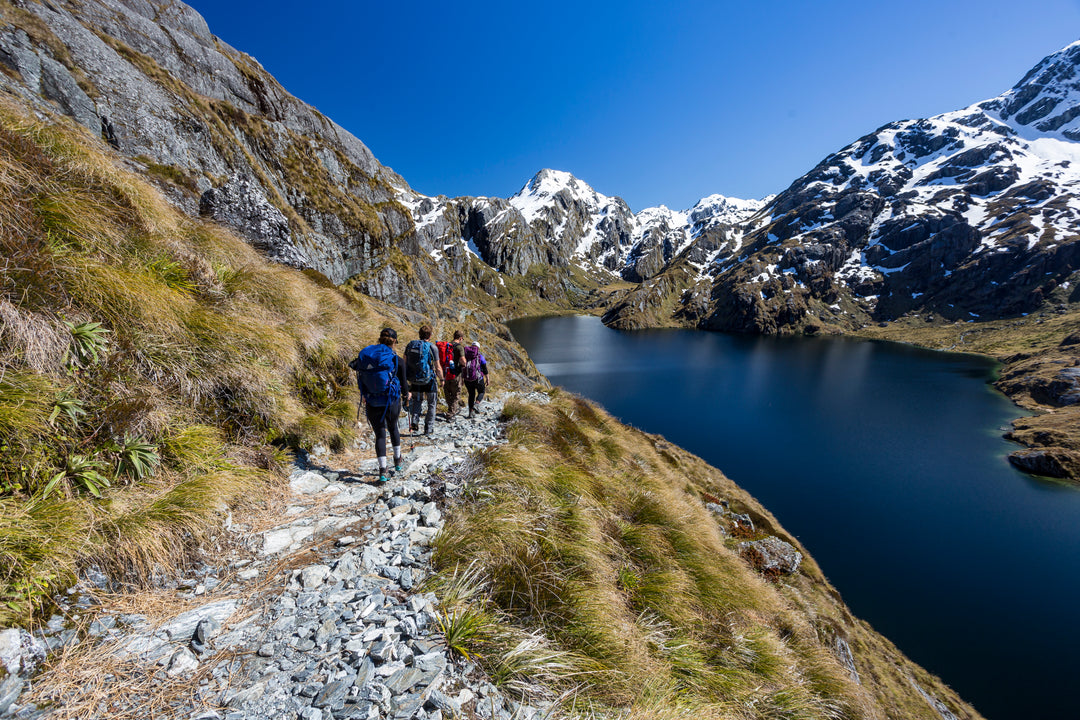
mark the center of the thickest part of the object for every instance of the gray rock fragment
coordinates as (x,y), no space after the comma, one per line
(10,689)
(771,554)
(20,652)
(182,663)
(313,576)
(332,696)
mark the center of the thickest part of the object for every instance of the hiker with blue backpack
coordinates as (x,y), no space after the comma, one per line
(380,374)
(475,376)
(424,374)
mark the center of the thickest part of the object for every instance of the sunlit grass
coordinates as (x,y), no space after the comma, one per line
(136,345)
(587,542)
(140,350)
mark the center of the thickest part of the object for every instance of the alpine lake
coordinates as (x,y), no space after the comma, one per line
(889,465)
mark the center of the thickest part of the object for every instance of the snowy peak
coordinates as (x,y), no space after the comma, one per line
(972,213)
(721,209)
(548,183)
(575,220)
(559,220)
(717,211)
(660,216)
(1047,98)
(551,191)
(600,233)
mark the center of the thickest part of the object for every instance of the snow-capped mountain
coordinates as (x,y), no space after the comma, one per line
(968,214)
(710,230)
(559,220)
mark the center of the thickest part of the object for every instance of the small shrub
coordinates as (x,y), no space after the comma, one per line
(88,341)
(466,628)
(69,406)
(82,472)
(136,457)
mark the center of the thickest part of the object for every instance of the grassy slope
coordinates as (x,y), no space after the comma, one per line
(207,365)
(583,555)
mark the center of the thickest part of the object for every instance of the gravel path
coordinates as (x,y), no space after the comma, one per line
(320,616)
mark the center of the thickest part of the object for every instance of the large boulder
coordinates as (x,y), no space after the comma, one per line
(1052,462)
(771,555)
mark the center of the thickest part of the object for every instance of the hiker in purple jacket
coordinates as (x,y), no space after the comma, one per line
(475,376)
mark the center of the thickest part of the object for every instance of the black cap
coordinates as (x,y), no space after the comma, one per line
(389,332)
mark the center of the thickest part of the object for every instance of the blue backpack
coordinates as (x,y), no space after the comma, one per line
(376,375)
(418,367)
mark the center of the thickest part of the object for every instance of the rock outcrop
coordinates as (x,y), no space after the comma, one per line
(151,80)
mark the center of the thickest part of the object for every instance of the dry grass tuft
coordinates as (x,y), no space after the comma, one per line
(103,681)
(36,342)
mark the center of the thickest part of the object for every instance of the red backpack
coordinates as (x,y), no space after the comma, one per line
(446,356)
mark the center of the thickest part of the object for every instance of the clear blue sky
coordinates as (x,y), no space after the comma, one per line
(659,103)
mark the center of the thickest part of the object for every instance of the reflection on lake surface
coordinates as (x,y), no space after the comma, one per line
(887,462)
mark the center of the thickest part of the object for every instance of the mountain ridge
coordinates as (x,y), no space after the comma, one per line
(829,253)
(960,215)
(559,219)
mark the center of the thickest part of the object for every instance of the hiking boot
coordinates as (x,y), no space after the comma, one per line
(397,468)
(383,478)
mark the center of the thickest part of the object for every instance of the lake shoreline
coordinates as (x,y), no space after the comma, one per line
(946,519)
(1032,352)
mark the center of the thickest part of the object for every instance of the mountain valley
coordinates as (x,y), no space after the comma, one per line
(191,254)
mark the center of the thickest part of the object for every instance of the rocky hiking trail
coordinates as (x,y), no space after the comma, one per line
(320,615)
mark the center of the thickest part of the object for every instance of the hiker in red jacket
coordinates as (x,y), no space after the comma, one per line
(452,359)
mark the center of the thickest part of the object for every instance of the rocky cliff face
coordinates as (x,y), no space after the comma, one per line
(150,79)
(555,220)
(970,214)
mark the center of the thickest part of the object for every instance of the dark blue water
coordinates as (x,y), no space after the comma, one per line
(887,462)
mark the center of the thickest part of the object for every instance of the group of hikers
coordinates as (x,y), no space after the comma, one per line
(389,383)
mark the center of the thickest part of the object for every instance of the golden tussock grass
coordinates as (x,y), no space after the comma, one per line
(201,344)
(100,681)
(593,539)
